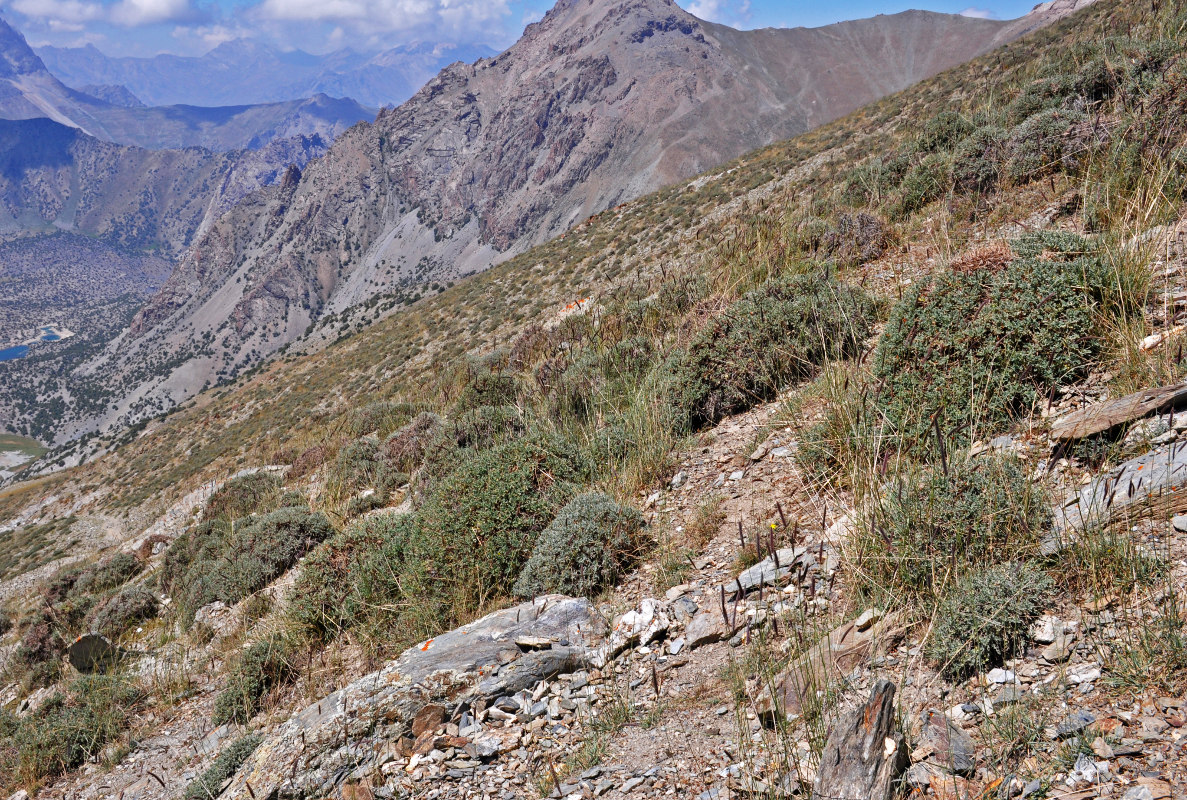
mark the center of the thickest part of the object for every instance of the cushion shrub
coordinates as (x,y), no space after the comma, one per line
(983,620)
(982,347)
(589,546)
(210,783)
(261,668)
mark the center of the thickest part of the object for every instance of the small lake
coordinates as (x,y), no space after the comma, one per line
(13,353)
(49,335)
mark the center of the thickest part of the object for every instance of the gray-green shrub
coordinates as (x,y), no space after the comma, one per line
(777,333)
(983,620)
(590,545)
(210,783)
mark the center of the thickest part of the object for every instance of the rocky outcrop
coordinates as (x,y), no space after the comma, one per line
(350,732)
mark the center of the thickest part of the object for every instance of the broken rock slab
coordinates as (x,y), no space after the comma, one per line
(1157,477)
(783,565)
(865,753)
(947,745)
(319,748)
(1106,416)
(835,655)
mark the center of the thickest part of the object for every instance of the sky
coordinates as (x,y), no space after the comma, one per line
(192,27)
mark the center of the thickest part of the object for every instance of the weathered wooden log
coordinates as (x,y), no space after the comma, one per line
(1105,416)
(865,753)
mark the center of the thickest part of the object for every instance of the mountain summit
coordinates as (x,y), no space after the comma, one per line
(599,102)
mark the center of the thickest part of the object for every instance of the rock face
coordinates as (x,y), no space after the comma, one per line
(598,103)
(320,748)
(29,91)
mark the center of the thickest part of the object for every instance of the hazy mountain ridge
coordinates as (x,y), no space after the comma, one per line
(29,91)
(243,72)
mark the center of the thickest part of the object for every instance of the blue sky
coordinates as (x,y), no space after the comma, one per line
(144,27)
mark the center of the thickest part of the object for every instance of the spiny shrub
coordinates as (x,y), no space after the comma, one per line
(110,573)
(477,530)
(777,333)
(1044,94)
(210,783)
(310,459)
(353,577)
(590,545)
(405,449)
(984,618)
(981,511)
(924,184)
(978,160)
(489,425)
(1041,145)
(379,418)
(856,239)
(132,605)
(943,132)
(357,467)
(243,496)
(487,389)
(977,349)
(66,730)
(39,652)
(261,668)
(214,562)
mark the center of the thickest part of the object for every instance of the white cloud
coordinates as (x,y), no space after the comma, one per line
(390,14)
(979,13)
(211,35)
(73,14)
(724,11)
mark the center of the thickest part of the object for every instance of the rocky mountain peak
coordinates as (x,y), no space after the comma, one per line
(16,57)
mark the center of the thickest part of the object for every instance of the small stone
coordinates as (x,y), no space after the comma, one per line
(868,617)
(951,747)
(1009,695)
(675,646)
(676,592)
(679,479)
(632,784)
(1075,723)
(1001,676)
(1180,523)
(1083,673)
(737,475)
(1138,793)
(1046,629)
(717,484)
(781,452)
(1101,748)
(427,719)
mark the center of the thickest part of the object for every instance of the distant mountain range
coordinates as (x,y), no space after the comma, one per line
(29,91)
(244,72)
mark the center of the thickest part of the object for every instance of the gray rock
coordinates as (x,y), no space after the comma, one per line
(951,747)
(1138,793)
(709,626)
(1180,524)
(1076,722)
(92,652)
(315,750)
(632,784)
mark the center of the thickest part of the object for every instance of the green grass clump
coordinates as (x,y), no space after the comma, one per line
(262,667)
(209,784)
(218,561)
(984,618)
(66,730)
(243,496)
(927,532)
(132,605)
(779,332)
(590,545)
(979,349)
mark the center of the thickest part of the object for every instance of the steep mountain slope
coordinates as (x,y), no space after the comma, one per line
(78,212)
(598,103)
(29,91)
(245,72)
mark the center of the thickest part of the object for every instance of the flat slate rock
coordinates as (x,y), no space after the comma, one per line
(1110,414)
(1157,476)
